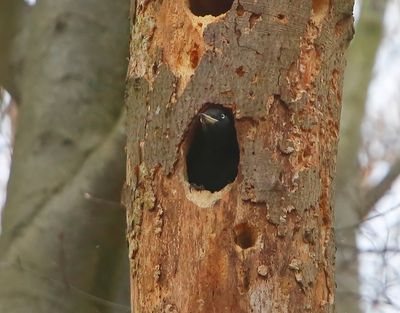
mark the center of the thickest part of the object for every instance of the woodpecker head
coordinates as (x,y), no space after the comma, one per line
(216,120)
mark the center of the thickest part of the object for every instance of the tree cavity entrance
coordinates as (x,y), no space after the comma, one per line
(210,7)
(213,155)
(244,236)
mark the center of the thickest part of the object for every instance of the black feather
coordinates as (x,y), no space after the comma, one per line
(213,156)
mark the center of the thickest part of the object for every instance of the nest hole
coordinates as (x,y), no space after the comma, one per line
(212,157)
(210,7)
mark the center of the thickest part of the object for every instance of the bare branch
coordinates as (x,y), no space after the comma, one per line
(373,195)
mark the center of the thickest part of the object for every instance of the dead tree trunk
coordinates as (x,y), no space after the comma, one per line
(263,243)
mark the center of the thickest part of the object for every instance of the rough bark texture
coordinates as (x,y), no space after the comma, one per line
(63,228)
(265,242)
(350,201)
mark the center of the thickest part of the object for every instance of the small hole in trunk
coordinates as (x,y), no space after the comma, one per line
(244,236)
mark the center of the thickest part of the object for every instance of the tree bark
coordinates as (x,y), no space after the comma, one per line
(264,243)
(62,240)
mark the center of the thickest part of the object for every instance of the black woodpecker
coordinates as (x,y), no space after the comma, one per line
(213,156)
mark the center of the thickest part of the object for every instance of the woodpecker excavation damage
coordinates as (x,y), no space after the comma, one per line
(172,30)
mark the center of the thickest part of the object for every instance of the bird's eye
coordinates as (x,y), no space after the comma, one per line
(223,116)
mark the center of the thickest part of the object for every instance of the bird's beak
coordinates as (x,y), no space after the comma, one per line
(207,119)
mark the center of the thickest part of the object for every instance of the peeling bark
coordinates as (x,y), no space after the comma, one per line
(265,242)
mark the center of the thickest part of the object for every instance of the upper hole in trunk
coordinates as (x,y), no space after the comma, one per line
(213,155)
(210,7)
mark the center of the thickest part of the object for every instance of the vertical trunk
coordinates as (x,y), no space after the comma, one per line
(361,56)
(264,243)
(62,236)
(12,14)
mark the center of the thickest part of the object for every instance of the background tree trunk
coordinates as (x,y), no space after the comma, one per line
(12,17)
(265,242)
(349,194)
(63,228)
